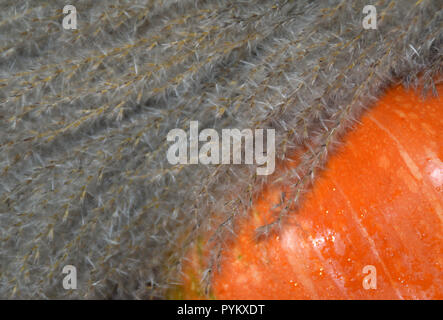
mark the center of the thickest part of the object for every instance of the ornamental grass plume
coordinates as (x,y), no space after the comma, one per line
(84,115)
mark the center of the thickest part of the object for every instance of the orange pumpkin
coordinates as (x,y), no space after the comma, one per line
(370,228)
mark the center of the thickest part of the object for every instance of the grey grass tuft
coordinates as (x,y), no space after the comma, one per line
(84,115)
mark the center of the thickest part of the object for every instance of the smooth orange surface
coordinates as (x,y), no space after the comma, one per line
(379,203)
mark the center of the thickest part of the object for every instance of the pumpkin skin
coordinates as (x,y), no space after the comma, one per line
(379,202)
